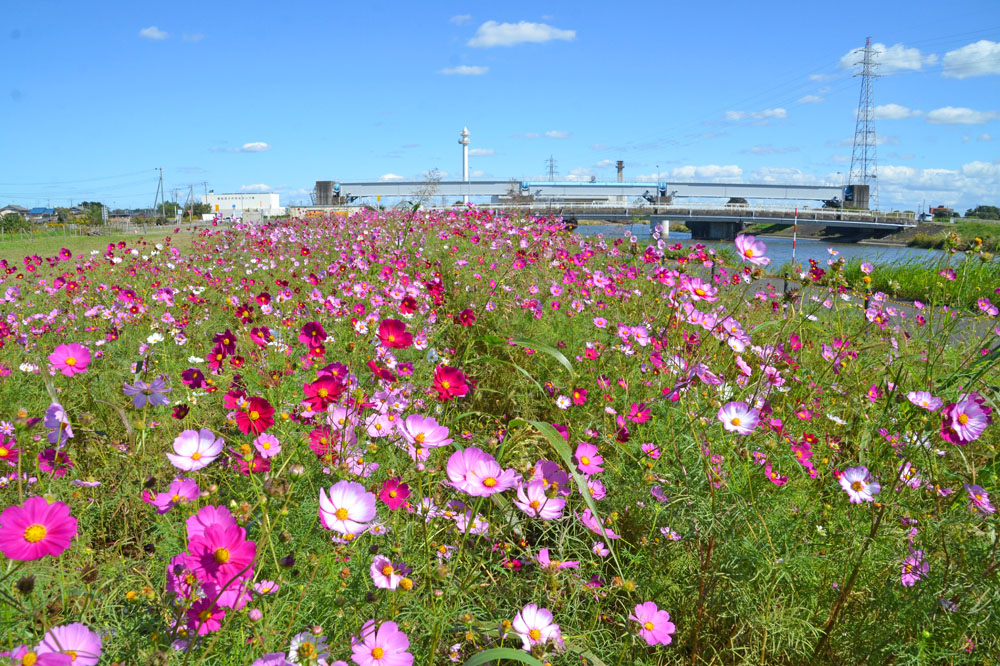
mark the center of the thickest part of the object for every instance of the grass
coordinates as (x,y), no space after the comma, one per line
(49,244)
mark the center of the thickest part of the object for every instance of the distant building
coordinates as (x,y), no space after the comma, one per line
(233,205)
(14,210)
(41,215)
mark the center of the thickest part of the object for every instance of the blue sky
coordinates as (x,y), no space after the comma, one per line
(255,96)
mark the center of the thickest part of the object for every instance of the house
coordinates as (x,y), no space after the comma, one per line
(14,210)
(40,215)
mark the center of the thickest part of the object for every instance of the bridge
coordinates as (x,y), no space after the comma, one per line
(656,202)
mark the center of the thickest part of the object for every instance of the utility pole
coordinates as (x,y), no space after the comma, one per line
(552,168)
(160,196)
(864,165)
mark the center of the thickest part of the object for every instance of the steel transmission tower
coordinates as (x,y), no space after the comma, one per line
(864,165)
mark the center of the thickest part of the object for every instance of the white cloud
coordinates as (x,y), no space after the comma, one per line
(770,150)
(709,172)
(819,78)
(389,176)
(153,33)
(478,173)
(192,37)
(481,152)
(557,134)
(894,112)
(604,164)
(765,115)
(984,137)
(809,99)
(890,59)
(526,135)
(951,115)
(259,187)
(465,70)
(254,147)
(492,33)
(460,19)
(580,174)
(979,59)
(971,183)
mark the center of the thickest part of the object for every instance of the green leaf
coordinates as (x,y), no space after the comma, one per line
(496,654)
(558,443)
(513,365)
(546,349)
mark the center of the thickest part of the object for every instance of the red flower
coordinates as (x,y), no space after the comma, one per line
(312,334)
(449,383)
(392,333)
(381,372)
(256,418)
(322,393)
(467,317)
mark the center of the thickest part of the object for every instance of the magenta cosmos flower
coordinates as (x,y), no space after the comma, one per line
(208,515)
(71,359)
(267,446)
(858,483)
(590,521)
(535,627)
(181,491)
(347,508)
(36,529)
(477,473)
(221,553)
(386,574)
(195,449)
(655,626)
(394,493)
(979,499)
(752,250)
(738,417)
(965,420)
(423,432)
(588,459)
(915,567)
(25,656)
(386,646)
(76,640)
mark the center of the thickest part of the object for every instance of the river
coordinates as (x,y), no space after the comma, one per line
(780,249)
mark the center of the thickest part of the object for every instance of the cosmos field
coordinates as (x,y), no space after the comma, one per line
(417,437)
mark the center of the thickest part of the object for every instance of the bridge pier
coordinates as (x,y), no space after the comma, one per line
(716,229)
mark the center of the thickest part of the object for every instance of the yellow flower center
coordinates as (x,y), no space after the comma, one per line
(963,419)
(70,361)
(218,357)
(489,482)
(72,654)
(747,254)
(221,556)
(907,568)
(306,651)
(341,514)
(979,498)
(205,615)
(535,504)
(392,338)
(393,494)
(699,291)
(29,659)
(225,341)
(4,451)
(254,415)
(534,634)
(735,421)
(265,445)
(857,486)
(387,570)
(445,384)
(648,626)
(35,533)
(442,549)
(406,584)
(176,498)
(378,653)
(419,438)
(196,455)
(322,393)
(585,460)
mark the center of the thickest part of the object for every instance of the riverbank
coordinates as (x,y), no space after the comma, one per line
(929,235)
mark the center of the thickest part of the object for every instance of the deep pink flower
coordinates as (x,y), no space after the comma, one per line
(71,359)
(385,646)
(258,417)
(205,616)
(206,516)
(588,459)
(965,421)
(394,493)
(450,383)
(36,529)
(655,626)
(591,522)
(752,250)
(392,333)
(221,553)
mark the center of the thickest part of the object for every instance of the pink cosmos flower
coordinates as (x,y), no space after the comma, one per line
(195,449)
(36,529)
(859,485)
(531,499)
(386,574)
(979,499)
(588,459)
(206,516)
(221,553)
(205,616)
(25,656)
(181,491)
(76,640)
(924,399)
(267,446)
(423,432)
(386,646)
(752,250)
(591,522)
(347,508)
(964,421)
(394,493)
(545,561)
(915,567)
(738,417)
(272,659)
(655,626)
(477,473)
(71,359)
(392,334)
(535,627)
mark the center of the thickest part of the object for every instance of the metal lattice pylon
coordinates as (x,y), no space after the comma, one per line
(864,165)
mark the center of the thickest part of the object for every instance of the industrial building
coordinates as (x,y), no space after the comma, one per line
(234,204)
